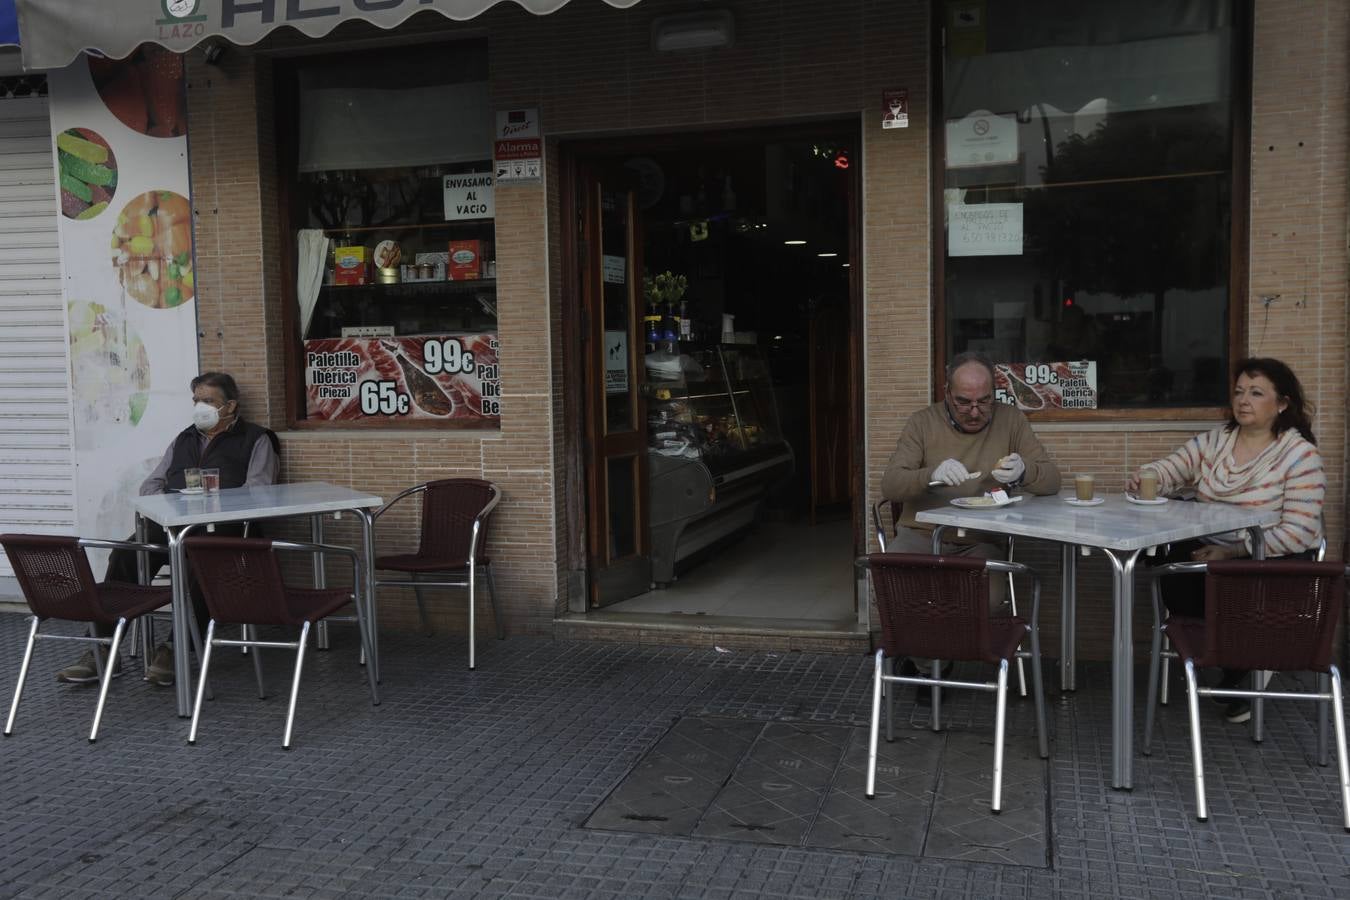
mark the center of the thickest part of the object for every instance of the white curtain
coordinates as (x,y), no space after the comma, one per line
(313,245)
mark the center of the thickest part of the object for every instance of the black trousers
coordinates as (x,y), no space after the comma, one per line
(122,567)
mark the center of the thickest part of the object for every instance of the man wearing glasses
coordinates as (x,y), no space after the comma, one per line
(963,446)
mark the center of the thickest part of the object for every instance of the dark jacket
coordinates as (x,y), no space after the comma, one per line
(228,451)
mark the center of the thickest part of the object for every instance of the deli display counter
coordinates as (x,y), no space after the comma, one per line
(715,448)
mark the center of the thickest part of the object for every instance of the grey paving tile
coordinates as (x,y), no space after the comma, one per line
(774,794)
(671,788)
(897,819)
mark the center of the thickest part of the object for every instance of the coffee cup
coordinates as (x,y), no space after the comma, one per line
(1148,484)
(1082,487)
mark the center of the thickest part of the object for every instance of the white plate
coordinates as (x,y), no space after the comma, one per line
(1156,502)
(1095,501)
(971,502)
(189,490)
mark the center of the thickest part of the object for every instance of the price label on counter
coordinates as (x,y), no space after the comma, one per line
(437,377)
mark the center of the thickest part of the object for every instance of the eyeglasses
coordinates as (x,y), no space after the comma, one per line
(962,403)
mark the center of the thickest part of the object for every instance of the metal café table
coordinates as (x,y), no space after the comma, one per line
(180,514)
(1121,530)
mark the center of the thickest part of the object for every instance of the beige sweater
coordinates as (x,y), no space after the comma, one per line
(930,437)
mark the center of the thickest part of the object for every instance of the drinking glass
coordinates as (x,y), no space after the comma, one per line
(1148,484)
(210,480)
(192,479)
(1082,486)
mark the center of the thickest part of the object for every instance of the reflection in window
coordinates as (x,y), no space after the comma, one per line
(1088,190)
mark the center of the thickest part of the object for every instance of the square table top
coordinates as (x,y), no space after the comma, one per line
(1116,524)
(259,502)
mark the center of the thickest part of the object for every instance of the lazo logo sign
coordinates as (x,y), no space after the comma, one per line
(181,23)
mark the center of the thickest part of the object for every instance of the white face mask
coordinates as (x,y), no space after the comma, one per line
(205,416)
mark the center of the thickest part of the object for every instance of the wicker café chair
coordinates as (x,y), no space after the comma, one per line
(938,606)
(451,552)
(242,583)
(1271,615)
(54,575)
(884,511)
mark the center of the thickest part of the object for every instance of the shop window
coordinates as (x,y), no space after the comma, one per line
(1089,215)
(387,167)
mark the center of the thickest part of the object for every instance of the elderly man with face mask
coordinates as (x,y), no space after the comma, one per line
(218,438)
(962,446)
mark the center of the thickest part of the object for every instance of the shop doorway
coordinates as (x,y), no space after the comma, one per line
(720,443)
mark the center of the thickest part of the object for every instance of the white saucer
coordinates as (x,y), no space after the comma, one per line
(189,490)
(969,502)
(1095,501)
(1156,502)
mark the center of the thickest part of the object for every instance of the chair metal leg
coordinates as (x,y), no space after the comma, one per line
(1151,708)
(1166,672)
(23,674)
(1000,720)
(888,690)
(1012,601)
(147,635)
(473,608)
(1038,685)
(937,696)
(108,670)
(243,636)
(1324,688)
(874,723)
(295,686)
(496,610)
(422,608)
(363,629)
(201,682)
(1338,716)
(134,639)
(251,634)
(1197,758)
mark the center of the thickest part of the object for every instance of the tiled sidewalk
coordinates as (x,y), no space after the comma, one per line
(478,784)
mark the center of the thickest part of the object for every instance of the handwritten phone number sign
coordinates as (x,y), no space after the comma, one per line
(984,229)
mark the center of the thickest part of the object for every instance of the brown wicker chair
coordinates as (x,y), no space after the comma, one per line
(1271,615)
(54,575)
(886,518)
(452,548)
(242,583)
(938,606)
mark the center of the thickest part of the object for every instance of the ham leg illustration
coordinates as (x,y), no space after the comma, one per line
(426,393)
(1027,398)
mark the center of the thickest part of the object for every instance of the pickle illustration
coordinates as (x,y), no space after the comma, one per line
(1027,398)
(426,393)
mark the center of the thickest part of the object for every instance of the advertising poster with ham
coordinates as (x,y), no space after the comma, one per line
(428,377)
(1057,385)
(119,147)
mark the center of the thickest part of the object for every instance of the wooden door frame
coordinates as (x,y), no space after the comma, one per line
(573,156)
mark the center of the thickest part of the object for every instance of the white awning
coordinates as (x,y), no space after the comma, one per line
(54,32)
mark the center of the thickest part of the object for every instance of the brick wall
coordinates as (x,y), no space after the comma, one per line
(590,71)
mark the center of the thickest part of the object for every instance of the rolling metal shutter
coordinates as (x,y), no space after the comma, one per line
(37,471)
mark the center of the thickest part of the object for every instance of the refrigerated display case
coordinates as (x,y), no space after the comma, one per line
(714,447)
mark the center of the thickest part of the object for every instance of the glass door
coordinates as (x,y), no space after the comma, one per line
(616,412)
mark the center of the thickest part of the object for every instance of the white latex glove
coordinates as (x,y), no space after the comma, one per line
(950,472)
(1010,469)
